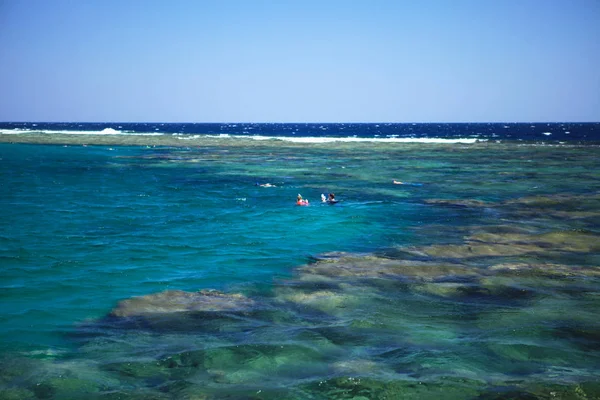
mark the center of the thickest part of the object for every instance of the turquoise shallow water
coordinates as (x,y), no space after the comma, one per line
(93,225)
(476,277)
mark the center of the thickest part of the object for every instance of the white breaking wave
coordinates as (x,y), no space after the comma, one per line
(307,139)
(105,131)
(15,131)
(109,131)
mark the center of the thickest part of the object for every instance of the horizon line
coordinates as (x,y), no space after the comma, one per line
(311,122)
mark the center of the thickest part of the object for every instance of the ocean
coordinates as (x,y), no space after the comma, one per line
(170,261)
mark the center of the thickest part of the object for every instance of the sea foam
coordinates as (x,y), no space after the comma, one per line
(105,131)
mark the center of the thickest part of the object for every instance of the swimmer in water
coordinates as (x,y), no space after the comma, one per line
(406,183)
(300,201)
(330,199)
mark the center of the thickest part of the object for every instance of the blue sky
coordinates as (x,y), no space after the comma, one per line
(300,61)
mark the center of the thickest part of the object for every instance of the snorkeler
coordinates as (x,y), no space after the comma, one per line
(300,201)
(330,199)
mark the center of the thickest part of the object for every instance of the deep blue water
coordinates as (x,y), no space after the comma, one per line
(571,132)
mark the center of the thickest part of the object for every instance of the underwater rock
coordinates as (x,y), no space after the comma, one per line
(498,287)
(206,311)
(368,388)
(175,301)
(369,267)
(585,336)
(65,388)
(44,378)
(236,364)
(541,269)
(357,366)
(557,201)
(468,250)
(17,394)
(564,202)
(508,393)
(262,362)
(168,373)
(561,206)
(139,370)
(137,394)
(502,244)
(539,316)
(17,368)
(465,203)
(530,353)
(574,214)
(578,391)
(324,300)
(344,285)
(574,241)
(442,289)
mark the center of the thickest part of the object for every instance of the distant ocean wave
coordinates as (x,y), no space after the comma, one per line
(106,131)
(302,139)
